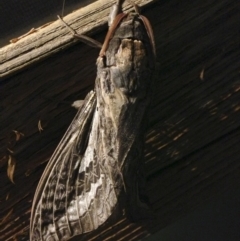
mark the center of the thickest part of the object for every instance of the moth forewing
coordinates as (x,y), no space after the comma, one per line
(98,165)
(64,151)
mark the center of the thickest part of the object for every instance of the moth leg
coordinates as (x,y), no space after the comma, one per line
(77,104)
(116,9)
(85,39)
(136,7)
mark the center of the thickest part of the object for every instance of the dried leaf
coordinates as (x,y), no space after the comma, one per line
(27,173)
(11,151)
(11,167)
(40,126)
(7,196)
(202,74)
(18,135)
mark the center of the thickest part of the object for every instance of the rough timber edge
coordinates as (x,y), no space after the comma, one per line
(55,37)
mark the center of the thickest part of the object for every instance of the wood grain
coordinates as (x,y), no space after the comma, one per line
(192,144)
(50,39)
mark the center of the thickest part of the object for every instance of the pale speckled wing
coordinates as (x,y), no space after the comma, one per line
(52,217)
(100,157)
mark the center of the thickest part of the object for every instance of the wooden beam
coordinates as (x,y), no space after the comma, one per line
(50,38)
(192,144)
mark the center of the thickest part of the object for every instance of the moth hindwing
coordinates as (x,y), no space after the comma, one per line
(98,166)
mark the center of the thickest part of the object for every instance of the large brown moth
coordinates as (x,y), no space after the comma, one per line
(98,165)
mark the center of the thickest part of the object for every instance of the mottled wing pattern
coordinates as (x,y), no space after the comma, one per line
(65,202)
(123,89)
(100,157)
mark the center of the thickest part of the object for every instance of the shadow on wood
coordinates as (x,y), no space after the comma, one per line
(192,144)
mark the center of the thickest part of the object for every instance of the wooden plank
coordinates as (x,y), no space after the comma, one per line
(51,38)
(192,144)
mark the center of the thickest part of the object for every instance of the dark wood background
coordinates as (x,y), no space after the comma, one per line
(192,144)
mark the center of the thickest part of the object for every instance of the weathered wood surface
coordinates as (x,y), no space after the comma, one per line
(52,37)
(192,145)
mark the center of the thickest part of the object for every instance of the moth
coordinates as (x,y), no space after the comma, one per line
(97,167)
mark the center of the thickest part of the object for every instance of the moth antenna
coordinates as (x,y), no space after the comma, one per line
(85,39)
(149,30)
